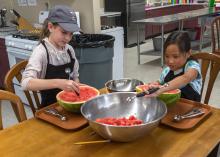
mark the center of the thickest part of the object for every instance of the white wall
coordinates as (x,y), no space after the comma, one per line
(89,11)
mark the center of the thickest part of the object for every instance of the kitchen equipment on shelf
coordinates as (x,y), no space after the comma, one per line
(23,24)
(149,110)
(3,18)
(123,85)
(130,10)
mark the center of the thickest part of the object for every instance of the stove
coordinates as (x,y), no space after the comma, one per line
(28,36)
(23,45)
(19,47)
(104,27)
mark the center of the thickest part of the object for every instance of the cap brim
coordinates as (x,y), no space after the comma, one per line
(70,27)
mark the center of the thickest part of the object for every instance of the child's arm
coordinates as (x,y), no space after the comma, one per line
(43,84)
(180,81)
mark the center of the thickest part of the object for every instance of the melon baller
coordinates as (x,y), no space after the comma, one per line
(146,92)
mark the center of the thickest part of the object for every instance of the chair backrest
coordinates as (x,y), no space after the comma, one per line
(16,101)
(16,72)
(210,66)
(215,30)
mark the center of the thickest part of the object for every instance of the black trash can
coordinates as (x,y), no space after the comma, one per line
(94,53)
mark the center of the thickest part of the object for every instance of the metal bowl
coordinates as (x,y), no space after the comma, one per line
(123,85)
(149,110)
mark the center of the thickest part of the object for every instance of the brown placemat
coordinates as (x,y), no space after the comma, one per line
(74,121)
(181,107)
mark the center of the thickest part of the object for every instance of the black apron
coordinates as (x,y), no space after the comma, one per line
(54,72)
(187,92)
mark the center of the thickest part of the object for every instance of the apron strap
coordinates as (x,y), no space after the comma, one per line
(43,43)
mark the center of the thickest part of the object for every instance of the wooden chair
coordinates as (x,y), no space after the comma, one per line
(16,72)
(210,66)
(16,101)
(215,30)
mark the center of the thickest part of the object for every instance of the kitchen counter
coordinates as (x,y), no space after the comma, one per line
(110,14)
(174,5)
(4,31)
(38,138)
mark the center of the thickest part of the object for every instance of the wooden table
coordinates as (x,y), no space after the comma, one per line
(38,138)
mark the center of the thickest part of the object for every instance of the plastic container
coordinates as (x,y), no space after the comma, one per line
(192,33)
(211,3)
(157,43)
(94,53)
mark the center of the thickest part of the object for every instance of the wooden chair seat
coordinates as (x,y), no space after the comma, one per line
(210,66)
(16,101)
(16,72)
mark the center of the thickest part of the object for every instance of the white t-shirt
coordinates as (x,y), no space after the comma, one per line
(37,64)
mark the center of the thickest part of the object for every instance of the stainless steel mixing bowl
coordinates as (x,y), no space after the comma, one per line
(123,85)
(149,110)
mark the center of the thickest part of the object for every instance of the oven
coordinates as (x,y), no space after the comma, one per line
(19,49)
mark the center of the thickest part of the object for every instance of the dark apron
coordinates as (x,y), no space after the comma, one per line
(187,92)
(54,72)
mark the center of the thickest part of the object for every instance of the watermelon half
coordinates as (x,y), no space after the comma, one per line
(169,98)
(72,102)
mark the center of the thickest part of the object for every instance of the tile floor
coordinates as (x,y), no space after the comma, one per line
(147,71)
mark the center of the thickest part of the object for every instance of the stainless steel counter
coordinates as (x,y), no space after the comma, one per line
(181,17)
(172,5)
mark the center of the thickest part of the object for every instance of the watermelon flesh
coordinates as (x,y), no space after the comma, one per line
(72,102)
(169,97)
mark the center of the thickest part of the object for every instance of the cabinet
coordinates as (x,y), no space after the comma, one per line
(4,63)
(153,30)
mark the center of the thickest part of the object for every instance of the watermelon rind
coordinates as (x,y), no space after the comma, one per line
(73,106)
(138,88)
(170,98)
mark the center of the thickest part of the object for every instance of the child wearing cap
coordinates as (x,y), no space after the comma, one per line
(53,61)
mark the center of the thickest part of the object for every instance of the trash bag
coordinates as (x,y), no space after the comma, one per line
(92,40)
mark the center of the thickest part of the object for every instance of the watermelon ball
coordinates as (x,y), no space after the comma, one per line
(169,98)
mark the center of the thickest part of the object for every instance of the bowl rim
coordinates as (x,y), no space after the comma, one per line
(158,119)
(120,80)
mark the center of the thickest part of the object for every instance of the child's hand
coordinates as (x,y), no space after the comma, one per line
(69,85)
(162,88)
(155,94)
(154,85)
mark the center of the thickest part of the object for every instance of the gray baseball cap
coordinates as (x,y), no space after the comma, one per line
(65,17)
